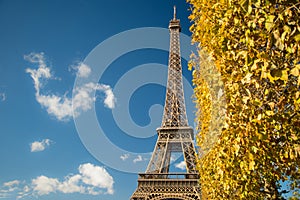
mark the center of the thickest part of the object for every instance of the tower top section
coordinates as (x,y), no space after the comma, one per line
(174,111)
(175,23)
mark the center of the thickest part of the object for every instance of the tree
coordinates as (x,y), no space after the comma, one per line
(255,47)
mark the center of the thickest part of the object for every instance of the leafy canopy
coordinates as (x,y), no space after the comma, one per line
(255,47)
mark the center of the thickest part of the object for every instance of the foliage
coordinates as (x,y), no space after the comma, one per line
(211,112)
(255,46)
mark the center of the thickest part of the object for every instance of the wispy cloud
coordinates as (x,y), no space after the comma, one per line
(173,158)
(181,165)
(83,70)
(90,179)
(23,192)
(8,188)
(83,99)
(2,96)
(124,156)
(40,145)
(61,106)
(42,72)
(139,158)
(11,183)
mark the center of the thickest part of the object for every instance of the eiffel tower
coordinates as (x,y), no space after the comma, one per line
(174,135)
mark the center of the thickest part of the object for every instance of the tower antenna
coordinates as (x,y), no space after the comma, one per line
(174,12)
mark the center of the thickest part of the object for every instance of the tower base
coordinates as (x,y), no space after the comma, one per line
(181,186)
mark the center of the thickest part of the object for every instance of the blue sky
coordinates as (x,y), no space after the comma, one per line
(74,125)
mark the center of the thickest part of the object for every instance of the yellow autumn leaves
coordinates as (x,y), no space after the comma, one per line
(254,48)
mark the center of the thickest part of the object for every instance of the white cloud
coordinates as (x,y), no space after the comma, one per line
(96,176)
(139,158)
(110,99)
(173,158)
(40,146)
(90,179)
(2,96)
(24,192)
(181,165)
(71,185)
(44,185)
(124,156)
(83,70)
(11,183)
(8,188)
(61,106)
(43,72)
(83,98)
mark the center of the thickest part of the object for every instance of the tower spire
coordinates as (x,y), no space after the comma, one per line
(174,18)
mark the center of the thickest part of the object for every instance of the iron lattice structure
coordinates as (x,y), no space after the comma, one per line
(174,135)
